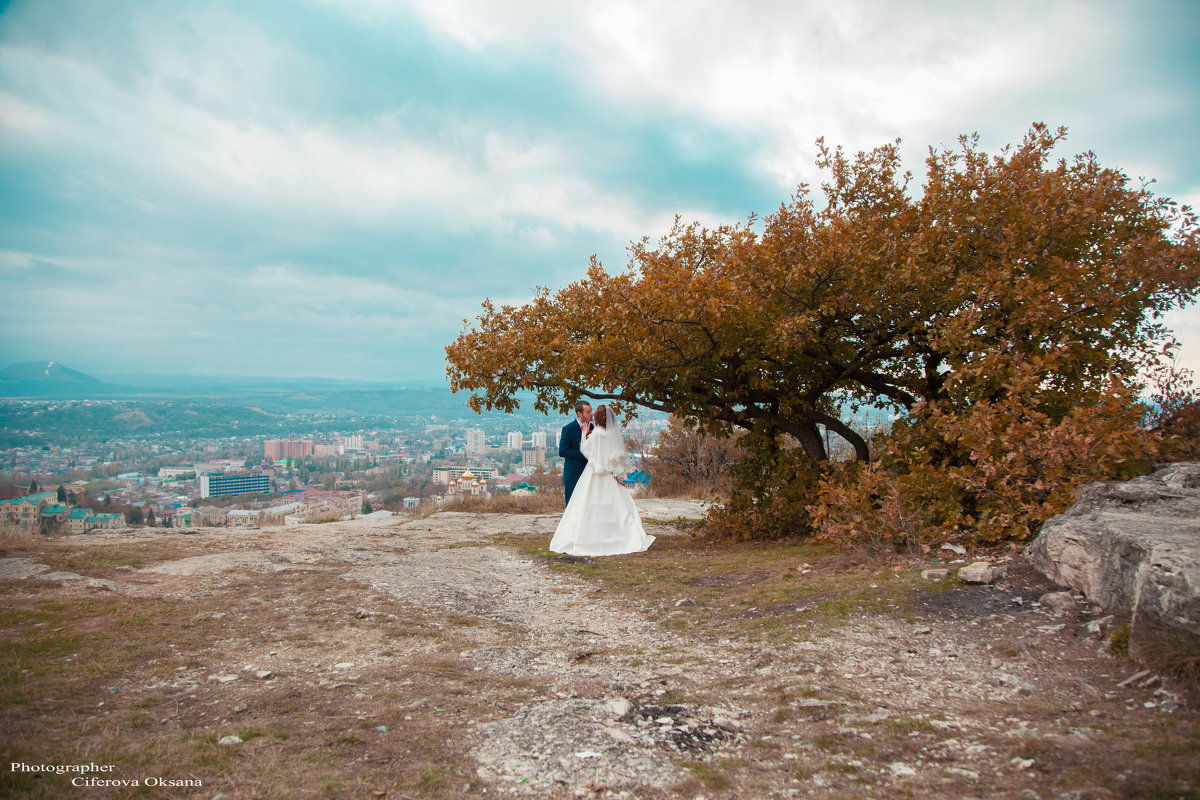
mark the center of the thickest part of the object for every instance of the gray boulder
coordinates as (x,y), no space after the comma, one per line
(1134,545)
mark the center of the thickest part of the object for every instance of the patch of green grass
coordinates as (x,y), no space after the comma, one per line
(32,657)
(431,779)
(1119,637)
(710,773)
(909,725)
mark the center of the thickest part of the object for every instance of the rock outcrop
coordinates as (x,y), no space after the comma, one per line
(1135,546)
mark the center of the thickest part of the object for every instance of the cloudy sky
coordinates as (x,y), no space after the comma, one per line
(328,187)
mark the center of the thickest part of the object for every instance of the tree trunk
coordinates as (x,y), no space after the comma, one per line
(810,439)
(861,451)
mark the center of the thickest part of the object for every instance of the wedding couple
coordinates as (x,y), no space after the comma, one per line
(601,519)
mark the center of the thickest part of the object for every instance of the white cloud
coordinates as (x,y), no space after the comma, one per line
(24,122)
(860,73)
(1185,323)
(12,262)
(234,144)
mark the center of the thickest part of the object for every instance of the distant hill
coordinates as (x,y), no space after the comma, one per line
(45,372)
(50,379)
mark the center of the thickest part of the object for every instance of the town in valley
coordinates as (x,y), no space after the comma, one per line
(253,457)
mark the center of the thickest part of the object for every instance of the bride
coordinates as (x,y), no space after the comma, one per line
(601,519)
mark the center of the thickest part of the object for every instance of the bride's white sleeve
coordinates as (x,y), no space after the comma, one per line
(607,453)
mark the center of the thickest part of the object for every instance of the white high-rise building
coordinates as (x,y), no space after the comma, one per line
(475,440)
(533,457)
(538,439)
(515,440)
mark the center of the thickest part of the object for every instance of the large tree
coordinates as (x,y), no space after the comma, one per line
(880,294)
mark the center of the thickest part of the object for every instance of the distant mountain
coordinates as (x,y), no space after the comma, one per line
(50,379)
(45,372)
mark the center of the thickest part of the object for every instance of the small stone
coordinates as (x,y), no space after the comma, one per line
(344,665)
(934,574)
(264,674)
(229,740)
(1058,603)
(361,613)
(223,678)
(901,770)
(686,601)
(1096,627)
(1021,763)
(620,735)
(979,572)
(241,708)
(101,583)
(617,707)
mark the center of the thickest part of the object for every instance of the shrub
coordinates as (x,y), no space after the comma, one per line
(687,461)
(773,481)
(983,474)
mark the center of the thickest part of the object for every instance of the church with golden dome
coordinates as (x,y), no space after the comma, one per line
(468,485)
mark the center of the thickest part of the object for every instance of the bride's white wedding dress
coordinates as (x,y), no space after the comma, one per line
(601,519)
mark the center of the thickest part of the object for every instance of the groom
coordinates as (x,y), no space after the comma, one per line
(568,446)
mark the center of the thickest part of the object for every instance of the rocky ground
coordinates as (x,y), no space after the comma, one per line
(449,656)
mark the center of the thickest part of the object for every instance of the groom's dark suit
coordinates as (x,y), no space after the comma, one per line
(573,458)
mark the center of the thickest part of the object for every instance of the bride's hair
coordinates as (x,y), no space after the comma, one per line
(601,416)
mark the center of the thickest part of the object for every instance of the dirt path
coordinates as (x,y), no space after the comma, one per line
(444,661)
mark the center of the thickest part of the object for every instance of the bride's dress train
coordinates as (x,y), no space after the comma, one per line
(601,519)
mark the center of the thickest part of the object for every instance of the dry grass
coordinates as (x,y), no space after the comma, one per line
(543,501)
(15,536)
(1167,651)
(756,589)
(127,681)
